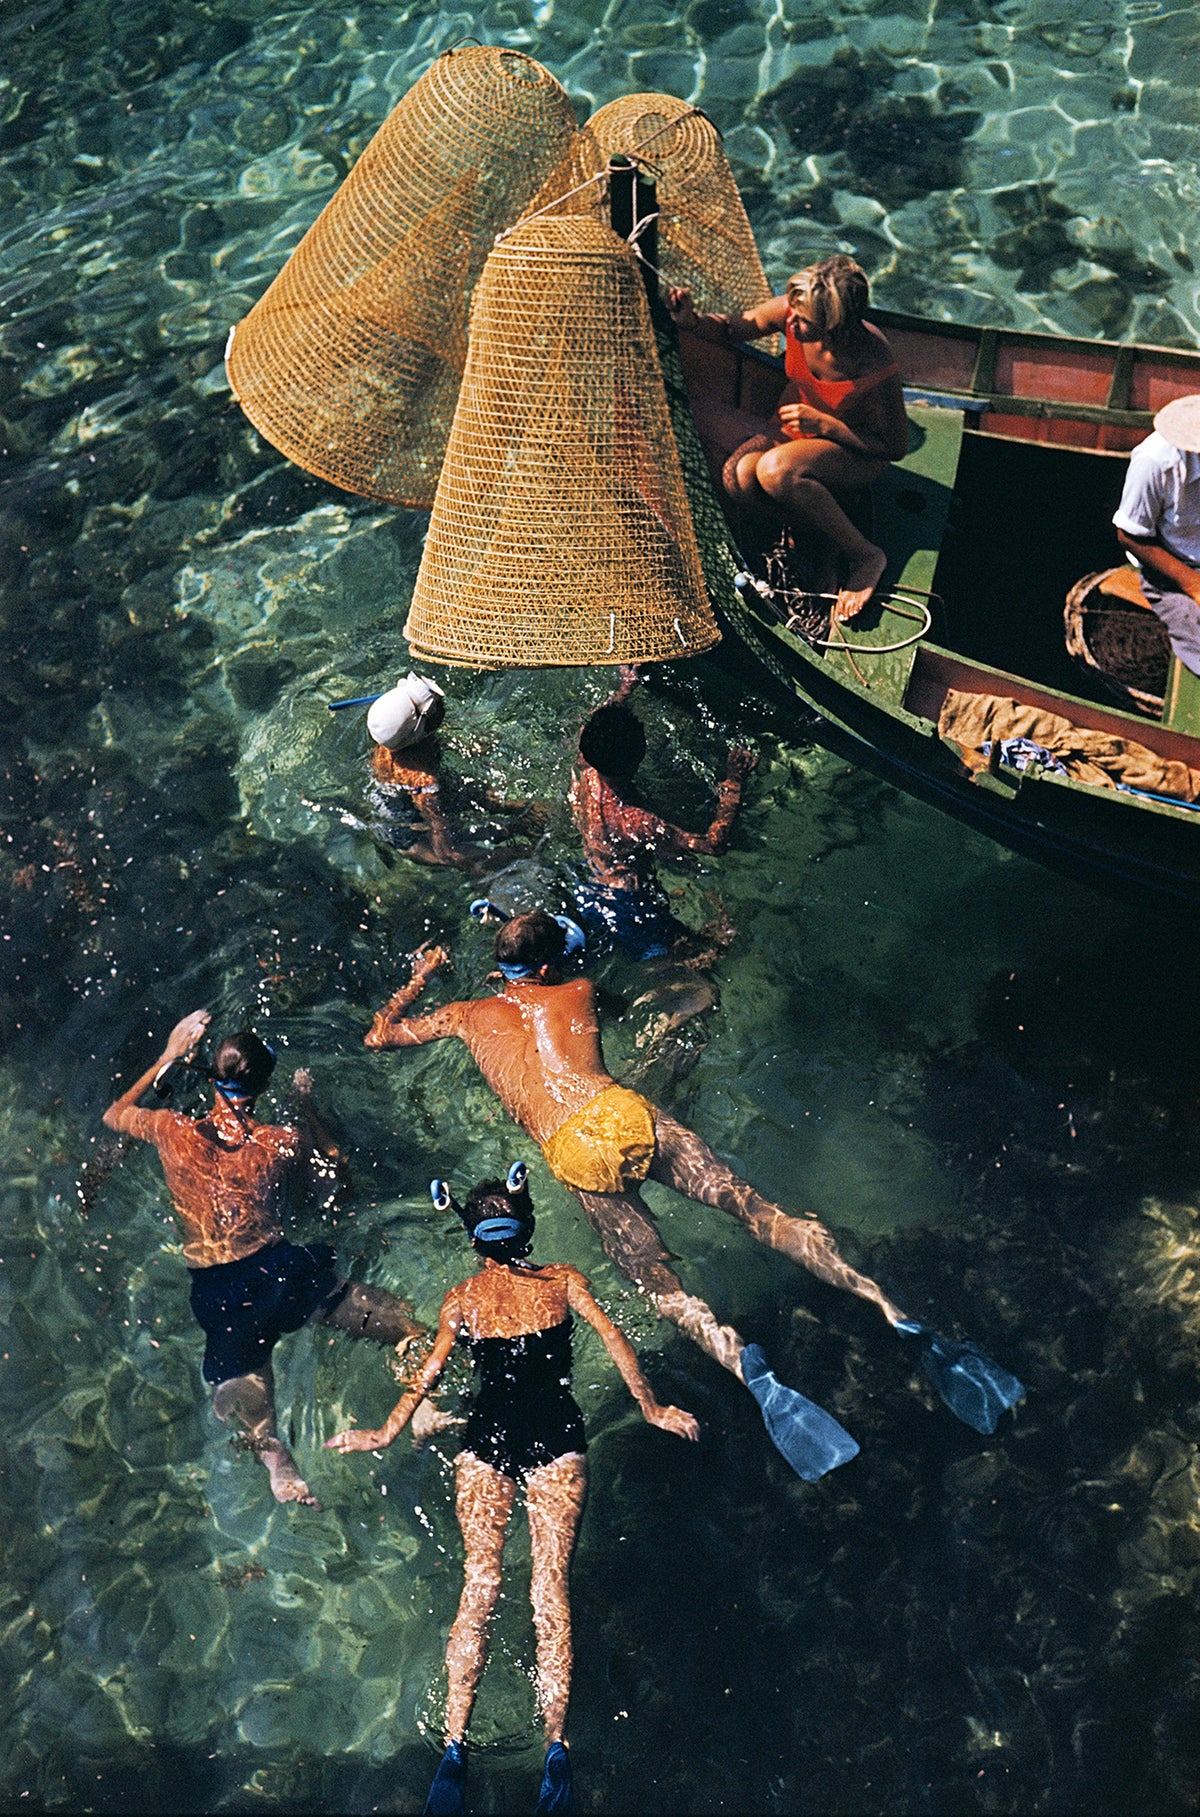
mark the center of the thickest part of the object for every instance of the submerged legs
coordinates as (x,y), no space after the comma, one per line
(554,1498)
(249,1401)
(686,1162)
(485,1499)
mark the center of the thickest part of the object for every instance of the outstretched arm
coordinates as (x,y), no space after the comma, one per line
(376,1438)
(729,798)
(668,1419)
(631,675)
(306,1116)
(390,1027)
(182,1043)
(743,325)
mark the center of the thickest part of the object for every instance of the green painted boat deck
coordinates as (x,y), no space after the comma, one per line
(912,503)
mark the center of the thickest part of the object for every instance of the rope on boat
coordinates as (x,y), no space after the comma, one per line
(792,597)
(889,604)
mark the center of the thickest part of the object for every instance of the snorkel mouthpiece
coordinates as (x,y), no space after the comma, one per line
(497,1230)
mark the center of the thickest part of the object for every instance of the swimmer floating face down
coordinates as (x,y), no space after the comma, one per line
(524,1432)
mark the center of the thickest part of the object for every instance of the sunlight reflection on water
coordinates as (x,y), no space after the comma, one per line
(978,1072)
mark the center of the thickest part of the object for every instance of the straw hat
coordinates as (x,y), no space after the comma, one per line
(1179,423)
(406,712)
(350,362)
(561,532)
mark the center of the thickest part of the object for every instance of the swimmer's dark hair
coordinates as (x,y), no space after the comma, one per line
(613,741)
(493,1199)
(245,1061)
(533,939)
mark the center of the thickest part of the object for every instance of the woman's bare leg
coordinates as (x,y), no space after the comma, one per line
(796,477)
(554,1498)
(485,1499)
(685,1162)
(630,1239)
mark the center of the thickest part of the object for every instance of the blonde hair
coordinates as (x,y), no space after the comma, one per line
(834,293)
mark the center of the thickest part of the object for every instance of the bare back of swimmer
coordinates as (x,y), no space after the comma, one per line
(524,1431)
(537,1044)
(230,1177)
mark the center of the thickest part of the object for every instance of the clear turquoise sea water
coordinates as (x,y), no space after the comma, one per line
(984,1077)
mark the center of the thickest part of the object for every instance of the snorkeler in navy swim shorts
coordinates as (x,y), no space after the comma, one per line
(524,1430)
(229,1177)
(621,895)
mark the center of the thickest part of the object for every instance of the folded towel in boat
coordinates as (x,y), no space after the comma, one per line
(973,721)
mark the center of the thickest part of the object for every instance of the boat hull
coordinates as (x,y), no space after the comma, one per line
(1114,841)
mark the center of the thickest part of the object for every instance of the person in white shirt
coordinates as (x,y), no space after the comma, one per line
(1158,522)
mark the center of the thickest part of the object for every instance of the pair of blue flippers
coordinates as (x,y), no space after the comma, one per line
(448,1791)
(974,1388)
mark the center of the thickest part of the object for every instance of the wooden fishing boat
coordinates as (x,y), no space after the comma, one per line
(1004,500)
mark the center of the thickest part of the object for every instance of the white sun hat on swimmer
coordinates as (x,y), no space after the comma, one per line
(1179,423)
(406,713)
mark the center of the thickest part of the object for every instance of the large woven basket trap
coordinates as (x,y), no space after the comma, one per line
(350,362)
(705,241)
(561,532)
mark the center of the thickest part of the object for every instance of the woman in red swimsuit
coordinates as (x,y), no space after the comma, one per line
(840,419)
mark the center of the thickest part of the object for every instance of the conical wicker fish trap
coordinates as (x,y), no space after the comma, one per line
(705,241)
(561,532)
(350,363)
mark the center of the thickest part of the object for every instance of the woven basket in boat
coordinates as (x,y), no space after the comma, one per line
(350,363)
(1112,633)
(705,242)
(561,532)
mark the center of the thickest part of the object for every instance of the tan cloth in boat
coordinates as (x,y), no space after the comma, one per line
(973,720)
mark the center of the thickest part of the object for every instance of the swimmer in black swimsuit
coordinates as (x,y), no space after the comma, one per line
(524,1427)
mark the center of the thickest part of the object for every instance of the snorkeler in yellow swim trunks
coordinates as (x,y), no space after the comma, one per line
(537,1044)
(606,1146)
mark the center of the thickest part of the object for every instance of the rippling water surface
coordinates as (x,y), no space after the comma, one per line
(986,1078)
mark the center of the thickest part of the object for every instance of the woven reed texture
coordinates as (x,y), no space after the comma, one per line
(705,241)
(561,532)
(350,362)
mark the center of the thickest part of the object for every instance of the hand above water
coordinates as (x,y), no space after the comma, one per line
(429,959)
(186,1035)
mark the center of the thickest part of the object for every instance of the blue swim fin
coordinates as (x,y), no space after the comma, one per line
(971,1384)
(446,1794)
(809,1438)
(555,1798)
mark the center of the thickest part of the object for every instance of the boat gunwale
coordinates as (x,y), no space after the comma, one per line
(1125,357)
